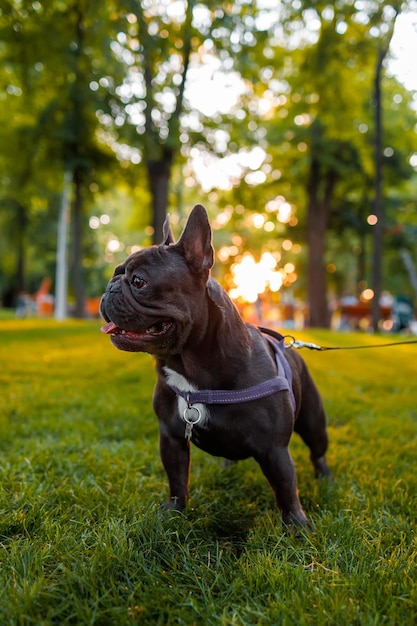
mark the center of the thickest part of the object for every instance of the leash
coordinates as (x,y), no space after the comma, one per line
(282,382)
(298,344)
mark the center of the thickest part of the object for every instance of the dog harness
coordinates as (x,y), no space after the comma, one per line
(281,382)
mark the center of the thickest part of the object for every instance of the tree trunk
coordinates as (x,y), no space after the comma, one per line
(379,212)
(361,264)
(316,273)
(19,283)
(377,278)
(21,252)
(77,260)
(159,173)
(318,211)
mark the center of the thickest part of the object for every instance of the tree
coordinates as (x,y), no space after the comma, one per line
(160,45)
(19,150)
(321,74)
(114,79)
(51,88)
(385,41)
(70,115)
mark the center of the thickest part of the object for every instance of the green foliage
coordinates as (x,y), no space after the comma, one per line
(83,540)
(104,90)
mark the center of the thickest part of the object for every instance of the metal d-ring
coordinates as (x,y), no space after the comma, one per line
(189,411)
(291,341)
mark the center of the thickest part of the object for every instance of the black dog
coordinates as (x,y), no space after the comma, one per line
(217,376)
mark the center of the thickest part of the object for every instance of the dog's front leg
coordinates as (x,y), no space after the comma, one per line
(278,467)
(175,455)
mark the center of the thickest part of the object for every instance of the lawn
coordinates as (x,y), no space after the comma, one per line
(83,540)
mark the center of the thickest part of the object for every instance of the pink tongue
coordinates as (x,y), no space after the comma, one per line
(109,328)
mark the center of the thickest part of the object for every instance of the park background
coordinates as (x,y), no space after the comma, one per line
(294,123)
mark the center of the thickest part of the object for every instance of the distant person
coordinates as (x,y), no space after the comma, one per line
(346,300)
(22,305)
(402,313)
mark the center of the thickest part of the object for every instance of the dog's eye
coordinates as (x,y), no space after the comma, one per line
(138,282)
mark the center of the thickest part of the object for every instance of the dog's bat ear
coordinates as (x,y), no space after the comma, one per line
(195,241)
(168,236)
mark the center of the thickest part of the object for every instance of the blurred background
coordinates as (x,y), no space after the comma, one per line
(293,122)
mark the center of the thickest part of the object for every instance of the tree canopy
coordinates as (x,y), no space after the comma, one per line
(264,112)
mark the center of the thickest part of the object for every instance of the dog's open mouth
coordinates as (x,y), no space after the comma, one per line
(156,330)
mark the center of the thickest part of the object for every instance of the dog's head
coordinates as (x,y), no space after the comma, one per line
(155,297)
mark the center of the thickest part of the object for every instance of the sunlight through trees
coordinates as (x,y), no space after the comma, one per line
(262,111)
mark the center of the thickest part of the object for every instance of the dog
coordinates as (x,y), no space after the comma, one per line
(222,384)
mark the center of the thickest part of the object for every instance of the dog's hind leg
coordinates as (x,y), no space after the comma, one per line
(311,426)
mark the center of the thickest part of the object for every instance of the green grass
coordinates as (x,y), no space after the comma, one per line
(82,538)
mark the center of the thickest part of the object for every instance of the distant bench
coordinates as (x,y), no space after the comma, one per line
(359,311)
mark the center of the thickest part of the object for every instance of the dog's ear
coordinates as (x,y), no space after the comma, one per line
(195,241)
(167,234)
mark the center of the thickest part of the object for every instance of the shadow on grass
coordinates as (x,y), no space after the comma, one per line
(226,503)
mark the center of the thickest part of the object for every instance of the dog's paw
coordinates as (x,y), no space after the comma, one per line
(297,530)
(174,504)
(295,522)
(321,469)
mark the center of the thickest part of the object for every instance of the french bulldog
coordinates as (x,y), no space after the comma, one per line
(212,368)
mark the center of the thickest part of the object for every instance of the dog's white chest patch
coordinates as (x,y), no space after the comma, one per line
(177,380)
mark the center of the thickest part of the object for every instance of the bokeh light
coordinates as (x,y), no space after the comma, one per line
(250,278)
